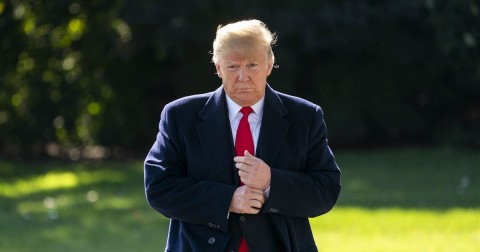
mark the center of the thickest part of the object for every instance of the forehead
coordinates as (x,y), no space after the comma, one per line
(241,54)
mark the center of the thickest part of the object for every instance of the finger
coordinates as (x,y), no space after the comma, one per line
(248,182)
(242,174)
(256,191)
(257,201)
(261,198)
(258,197)
(249,158)
(253,211)
(256,204)
(238,165)
(244,170)
(243,160)
(243,166)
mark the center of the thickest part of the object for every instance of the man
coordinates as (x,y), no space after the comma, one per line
(244,167)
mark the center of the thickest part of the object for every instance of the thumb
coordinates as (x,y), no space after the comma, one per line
(247,154)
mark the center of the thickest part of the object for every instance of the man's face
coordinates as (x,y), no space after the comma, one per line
(244,75)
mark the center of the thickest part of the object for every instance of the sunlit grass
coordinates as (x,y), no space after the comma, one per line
(55,181)
(393,200)
(49,181)
(397,229)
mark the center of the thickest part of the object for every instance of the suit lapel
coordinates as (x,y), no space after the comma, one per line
(272,135)
(274,127)
(216,137)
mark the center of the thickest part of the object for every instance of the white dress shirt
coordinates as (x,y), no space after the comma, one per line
(254,119)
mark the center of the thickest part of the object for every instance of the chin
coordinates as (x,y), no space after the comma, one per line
(247,101)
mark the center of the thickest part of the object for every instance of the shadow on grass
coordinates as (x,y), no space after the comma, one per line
(410,178)
(100,206)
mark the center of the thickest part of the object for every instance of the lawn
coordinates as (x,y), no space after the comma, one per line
(405,200)
(392,200)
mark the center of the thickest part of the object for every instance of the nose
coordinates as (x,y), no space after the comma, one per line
(242,75)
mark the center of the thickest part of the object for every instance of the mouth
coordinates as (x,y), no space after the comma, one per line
(244,90)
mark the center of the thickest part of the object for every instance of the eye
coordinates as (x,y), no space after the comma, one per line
(252,65)
(232,67)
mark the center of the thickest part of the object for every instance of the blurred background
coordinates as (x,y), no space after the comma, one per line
(82,85)
(79,74)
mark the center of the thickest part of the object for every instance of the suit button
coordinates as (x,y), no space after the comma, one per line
(273,210)
(242,218)
(211,240)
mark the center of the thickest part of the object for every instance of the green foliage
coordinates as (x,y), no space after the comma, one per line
(75,74)
(53,73)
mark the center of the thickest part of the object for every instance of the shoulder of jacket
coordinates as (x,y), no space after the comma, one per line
(295,101)
(189,101)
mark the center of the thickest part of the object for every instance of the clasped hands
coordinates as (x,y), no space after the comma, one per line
(255,175)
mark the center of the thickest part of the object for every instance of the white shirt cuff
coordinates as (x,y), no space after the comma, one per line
(267,192)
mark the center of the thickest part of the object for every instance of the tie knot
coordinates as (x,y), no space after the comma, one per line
(246,111)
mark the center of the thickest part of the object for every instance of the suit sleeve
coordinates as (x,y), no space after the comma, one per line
(313,189)
(170,190)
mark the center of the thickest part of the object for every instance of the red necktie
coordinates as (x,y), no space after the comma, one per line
(244,141)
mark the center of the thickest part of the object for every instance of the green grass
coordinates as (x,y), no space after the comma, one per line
(398,229)
(392,200)
(77,207)
(404,200)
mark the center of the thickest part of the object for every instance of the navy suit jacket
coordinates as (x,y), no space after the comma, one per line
(190,175)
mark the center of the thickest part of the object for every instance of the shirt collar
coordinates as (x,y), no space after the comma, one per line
(234,108)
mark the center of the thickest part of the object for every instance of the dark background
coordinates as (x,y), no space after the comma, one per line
(90,78)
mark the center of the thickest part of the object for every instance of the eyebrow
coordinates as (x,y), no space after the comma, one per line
(236,61)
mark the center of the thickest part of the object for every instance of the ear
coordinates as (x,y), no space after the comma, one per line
(219,70)
(270,67)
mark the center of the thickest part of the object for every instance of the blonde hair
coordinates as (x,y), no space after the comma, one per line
(243,35)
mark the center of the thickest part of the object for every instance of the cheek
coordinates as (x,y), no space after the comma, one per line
(227,85)
(229,77)
(259,79)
